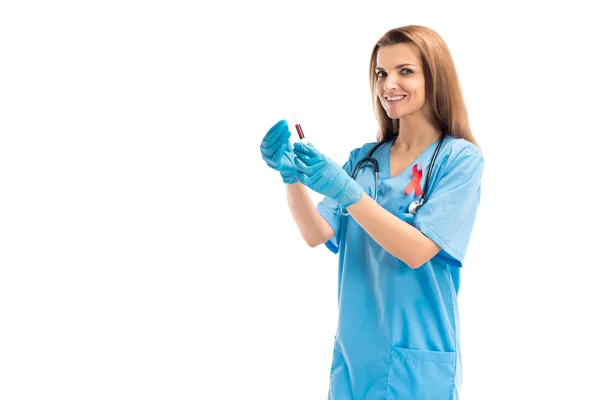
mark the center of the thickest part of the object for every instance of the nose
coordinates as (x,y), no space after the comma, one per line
(390,83)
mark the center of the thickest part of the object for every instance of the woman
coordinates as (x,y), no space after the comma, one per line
(399,259)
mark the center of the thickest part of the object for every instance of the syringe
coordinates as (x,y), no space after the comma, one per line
(298,128)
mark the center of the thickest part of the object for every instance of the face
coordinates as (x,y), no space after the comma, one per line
(400,80)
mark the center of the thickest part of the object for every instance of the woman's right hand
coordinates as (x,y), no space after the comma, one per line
(276,151)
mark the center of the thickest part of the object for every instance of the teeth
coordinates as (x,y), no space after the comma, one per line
(395,98)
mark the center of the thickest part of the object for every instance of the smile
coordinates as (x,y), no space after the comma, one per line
(395,99)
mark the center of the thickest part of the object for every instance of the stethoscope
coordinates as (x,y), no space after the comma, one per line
(370,160)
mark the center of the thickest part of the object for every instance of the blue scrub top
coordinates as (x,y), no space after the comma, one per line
(398,328)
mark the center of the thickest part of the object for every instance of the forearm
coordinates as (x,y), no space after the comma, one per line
(400,239)
(313,227)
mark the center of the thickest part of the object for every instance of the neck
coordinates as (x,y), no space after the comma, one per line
(416,135)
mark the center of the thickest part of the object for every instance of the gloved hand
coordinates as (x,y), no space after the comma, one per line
(277,152)
(325,176)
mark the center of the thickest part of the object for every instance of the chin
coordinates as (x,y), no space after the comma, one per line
(396,114)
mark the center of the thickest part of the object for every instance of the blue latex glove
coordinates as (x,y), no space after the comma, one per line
(325,176)
(277,152)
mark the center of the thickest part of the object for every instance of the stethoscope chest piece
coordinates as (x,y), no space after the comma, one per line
(414,206)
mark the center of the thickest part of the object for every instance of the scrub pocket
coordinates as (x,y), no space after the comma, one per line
(421,375)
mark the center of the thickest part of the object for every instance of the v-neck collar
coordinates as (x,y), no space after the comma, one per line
(418,160)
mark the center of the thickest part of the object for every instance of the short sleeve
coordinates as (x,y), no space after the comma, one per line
(448,215)
(330,210)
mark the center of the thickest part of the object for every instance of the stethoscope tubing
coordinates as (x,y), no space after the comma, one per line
(415,205)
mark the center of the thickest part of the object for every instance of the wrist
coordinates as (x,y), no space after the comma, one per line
(351,194)
(289,178)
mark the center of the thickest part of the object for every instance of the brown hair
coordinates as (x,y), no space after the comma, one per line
(442,87)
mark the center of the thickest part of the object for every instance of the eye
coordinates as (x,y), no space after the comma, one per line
(406,71)
(377,74)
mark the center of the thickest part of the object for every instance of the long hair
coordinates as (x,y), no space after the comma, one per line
(442,87)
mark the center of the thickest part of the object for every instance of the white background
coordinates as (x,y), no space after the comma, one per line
(146,251)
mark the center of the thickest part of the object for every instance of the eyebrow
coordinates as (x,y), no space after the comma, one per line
(397,66)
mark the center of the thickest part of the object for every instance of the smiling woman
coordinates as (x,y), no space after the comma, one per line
(401,65)
(399,277)
(400,82)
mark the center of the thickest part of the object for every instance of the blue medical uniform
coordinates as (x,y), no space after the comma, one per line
(398,328)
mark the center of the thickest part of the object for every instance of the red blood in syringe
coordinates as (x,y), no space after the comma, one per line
(299,130)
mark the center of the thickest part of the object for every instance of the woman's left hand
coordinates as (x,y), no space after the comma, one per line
(325,176)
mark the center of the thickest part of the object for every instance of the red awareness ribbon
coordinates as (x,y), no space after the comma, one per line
(417,173)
